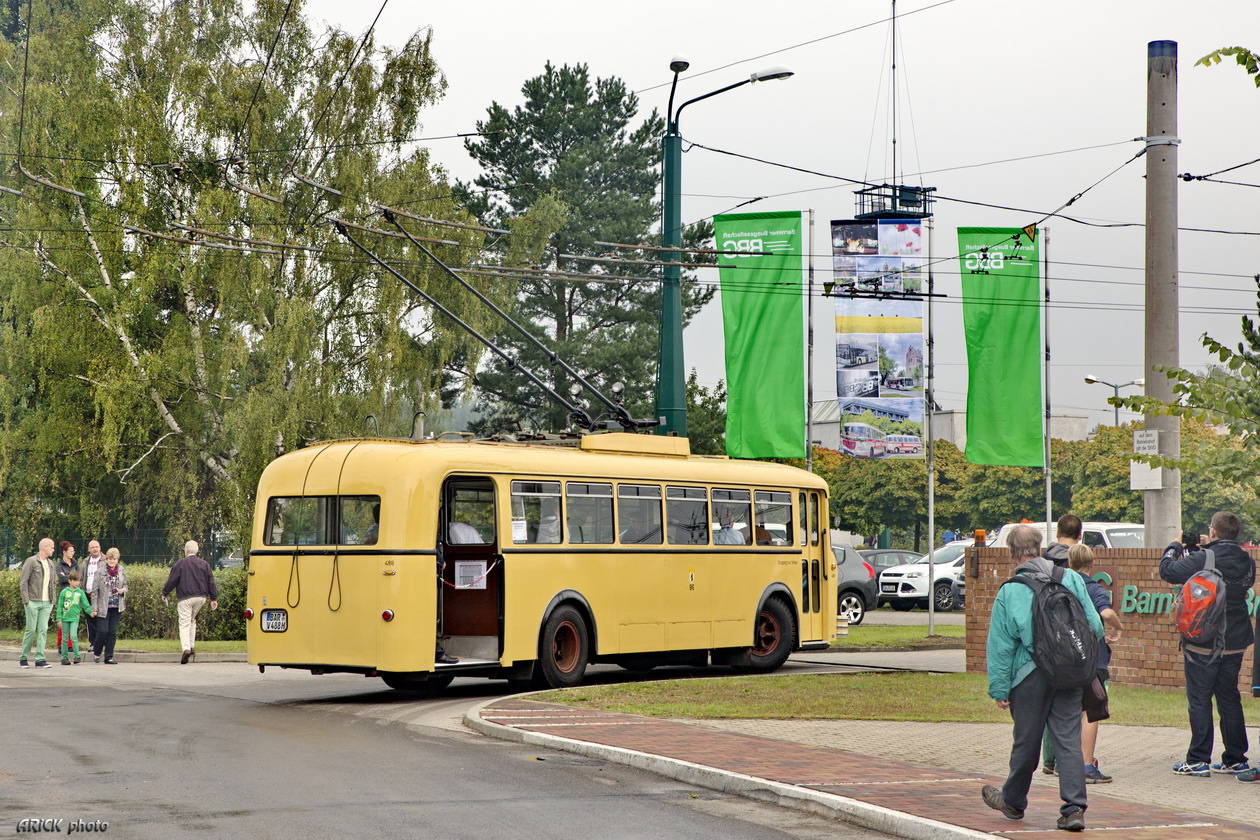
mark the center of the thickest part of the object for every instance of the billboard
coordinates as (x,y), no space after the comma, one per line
(880,362)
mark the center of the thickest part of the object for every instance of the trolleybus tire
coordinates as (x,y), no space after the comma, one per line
(563,649)
(402,682)
(773,633)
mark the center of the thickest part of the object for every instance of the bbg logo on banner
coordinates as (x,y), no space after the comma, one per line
(983,262)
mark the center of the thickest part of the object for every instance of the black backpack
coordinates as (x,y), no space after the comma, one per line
(1064,646)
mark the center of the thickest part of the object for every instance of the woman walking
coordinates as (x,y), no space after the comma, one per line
(109,600)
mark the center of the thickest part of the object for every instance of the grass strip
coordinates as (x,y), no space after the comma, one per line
(140,645)
(959,698)
(893,636)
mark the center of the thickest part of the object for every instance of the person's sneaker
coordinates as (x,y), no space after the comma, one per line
(1232,769)
(111,661)
(42,663)
(96,659)
(1094,776)
(993,798)
(22,663)
(1252,775)
(1074,820)
(65,660)
(77,659)
(1049,770)
(183,660)
(1197,768)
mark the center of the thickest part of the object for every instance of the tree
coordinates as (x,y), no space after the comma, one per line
(576,142)
(1247,59)
(166,327)
(706,417)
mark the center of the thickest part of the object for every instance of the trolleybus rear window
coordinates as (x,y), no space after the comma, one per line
(322,520)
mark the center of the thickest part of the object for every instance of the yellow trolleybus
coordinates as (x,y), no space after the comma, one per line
(417,561)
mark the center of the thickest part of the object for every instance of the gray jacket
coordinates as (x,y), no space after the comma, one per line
(100,590)
(39,580)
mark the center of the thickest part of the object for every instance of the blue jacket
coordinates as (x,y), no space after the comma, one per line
(1009,650)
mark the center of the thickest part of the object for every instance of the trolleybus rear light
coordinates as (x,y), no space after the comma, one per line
(249,613)
(387,615)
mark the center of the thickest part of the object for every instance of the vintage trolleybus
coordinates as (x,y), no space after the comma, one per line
(417,561)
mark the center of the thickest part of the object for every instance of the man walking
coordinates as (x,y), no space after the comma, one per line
(193,583)
(38,586)
(1067,533)
(1209,675)
(1016,683)
(91,563)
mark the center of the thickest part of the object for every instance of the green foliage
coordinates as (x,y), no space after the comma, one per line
(1226,396)
(146,617)
(574,144)
(146,382)
(1248,60)
(706,417)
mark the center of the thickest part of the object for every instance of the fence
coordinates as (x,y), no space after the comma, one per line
(139,546)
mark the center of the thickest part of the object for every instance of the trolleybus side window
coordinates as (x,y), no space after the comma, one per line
(639,514)
(471,516)
(589,512)
(732,517)
(773,512)
(814,524)
(535,512)
(687,514)
(804,517)
(358,520)
(299,520)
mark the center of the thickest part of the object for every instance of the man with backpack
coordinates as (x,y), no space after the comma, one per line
(1042,648)
(1216,631)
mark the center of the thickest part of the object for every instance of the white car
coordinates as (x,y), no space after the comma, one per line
(907,586)
(1093,534)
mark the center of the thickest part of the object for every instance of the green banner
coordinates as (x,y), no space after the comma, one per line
(763,322)
(1001,286)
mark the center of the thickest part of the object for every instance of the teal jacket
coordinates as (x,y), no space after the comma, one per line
(1009,650)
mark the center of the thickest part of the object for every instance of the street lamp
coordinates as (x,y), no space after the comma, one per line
(671,380)
(1091,379)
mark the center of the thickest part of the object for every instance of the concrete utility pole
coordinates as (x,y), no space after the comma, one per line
(1163,506)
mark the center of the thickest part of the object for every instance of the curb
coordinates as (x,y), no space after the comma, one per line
(862,814)
(133,656)
(961,645)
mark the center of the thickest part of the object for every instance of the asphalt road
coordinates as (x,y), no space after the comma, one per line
(218,750)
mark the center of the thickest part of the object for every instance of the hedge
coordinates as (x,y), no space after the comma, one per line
(146,617)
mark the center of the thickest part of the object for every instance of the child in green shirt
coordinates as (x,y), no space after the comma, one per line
(72,604)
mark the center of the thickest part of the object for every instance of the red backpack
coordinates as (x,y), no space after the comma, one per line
(1199,611)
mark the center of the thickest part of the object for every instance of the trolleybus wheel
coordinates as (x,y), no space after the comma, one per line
(403,682)
(772,641)
(563,648)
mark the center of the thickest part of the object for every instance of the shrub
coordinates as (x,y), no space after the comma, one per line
(146,617)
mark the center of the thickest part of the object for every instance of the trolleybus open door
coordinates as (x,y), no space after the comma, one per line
(470,601)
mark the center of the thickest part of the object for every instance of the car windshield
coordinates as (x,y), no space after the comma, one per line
(944,554)
(1125,537)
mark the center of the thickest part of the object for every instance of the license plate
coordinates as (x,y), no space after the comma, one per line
(889,587)
(274,621)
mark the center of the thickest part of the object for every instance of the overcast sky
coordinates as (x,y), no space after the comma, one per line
(980,83)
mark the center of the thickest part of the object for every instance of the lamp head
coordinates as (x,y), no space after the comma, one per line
(1141,383)
(778,71)
(679,64)
(1091,379)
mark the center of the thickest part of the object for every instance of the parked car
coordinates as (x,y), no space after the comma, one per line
(883,558)
(1093,534)
(855,584)
(907,586)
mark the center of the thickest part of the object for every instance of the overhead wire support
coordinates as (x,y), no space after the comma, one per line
(619,261)
(183,240)
(312,183)
(444,223)
(45,182)
(258,243)
(618,410)
(227,178)
(578,414)
(383,232)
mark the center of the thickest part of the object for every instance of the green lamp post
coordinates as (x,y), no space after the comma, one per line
(671,380)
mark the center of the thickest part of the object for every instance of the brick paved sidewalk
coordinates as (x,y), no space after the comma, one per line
(935,794)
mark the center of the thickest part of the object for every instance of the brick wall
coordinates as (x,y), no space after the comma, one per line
(1146,654)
